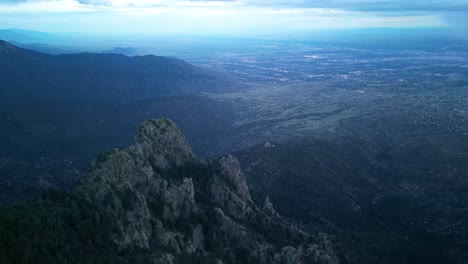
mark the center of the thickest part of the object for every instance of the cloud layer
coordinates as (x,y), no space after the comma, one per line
(353,5)
(213,16)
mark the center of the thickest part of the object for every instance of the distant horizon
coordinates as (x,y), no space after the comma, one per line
(335,34)
(229,17)
(440,28)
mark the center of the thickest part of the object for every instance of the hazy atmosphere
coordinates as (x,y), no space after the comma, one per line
(233,132)
(238,18)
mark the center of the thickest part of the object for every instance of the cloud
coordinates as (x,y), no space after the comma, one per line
(351,5)
(224,16)
(42,6)
(95,2)
(13,1)
(367,5)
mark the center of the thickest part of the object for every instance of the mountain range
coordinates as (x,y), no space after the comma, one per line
(59,111)
(34,76)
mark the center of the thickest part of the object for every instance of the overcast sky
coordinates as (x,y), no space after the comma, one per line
(228,17)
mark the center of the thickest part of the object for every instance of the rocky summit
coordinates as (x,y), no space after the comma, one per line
(156,202)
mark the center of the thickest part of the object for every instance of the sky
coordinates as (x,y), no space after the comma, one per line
(229,17)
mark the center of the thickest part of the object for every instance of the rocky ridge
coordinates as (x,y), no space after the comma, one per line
(161,196)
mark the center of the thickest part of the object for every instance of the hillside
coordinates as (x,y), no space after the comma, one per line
(58,112)
(398,199)
(32,76)
(156,202)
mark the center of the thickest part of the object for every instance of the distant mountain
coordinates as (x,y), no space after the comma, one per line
(58,112)
(33,76)
(46,48)
(124,51)
(26,36)
(156,202)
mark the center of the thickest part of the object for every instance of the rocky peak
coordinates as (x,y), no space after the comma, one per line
(160,196)
(162,143)
(232,173)
(268,207)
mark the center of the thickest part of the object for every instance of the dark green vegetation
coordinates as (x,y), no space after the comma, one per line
(59,112)
(388,199)
(155,202)
(48,145)
(57,228)
(66,228)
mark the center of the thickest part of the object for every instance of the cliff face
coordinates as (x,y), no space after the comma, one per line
(160,202)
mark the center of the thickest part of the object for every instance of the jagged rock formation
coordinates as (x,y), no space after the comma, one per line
(160,202)
(162,196)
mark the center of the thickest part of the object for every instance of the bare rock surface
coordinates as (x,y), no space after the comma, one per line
(162,196)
